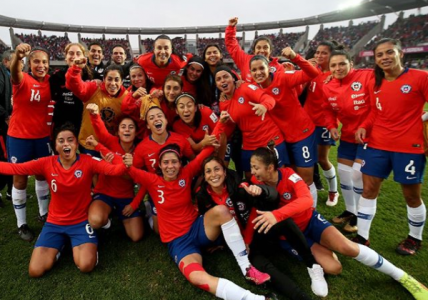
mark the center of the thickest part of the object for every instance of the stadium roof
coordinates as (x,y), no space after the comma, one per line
(366,8)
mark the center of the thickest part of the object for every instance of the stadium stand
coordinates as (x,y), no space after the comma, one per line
(108,45)
(54,44)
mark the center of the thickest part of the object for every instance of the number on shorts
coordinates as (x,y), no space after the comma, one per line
(325,133)
(153,163)
(54,187)
(410,168)
(228,149)
(305,152)
(89,229)
(161,197)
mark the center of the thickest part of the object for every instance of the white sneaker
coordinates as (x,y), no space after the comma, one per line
(318,284)
(333,198)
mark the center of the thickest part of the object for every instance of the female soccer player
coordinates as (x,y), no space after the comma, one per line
(213,57)
(28,133)
(347,100)
(296,126)
(108,96)
(296,203)
(248,107)
(261,46)
(68,108)
(195,123)
(313,105)
(111,192)
(70,178)
(222,186)
(396,141)
(162,62)
(185,232)
(196,81)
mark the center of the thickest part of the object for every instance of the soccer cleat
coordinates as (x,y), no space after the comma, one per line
(351,226)
(342,218)
(409,246)
(417,289)
(255,276)
(360,240)
(271,296)
(42,219)
(318,284)
(333,198)
(25,233)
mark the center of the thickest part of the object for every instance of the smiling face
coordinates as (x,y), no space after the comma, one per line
(156,121)
(118,55)
(73,53)
(259,169)
(388,57)
(186,109)
(225,82)
(112,82)
(214,175)
(170,166)
(127,130)
(212,56)
(340,66)
(171,90)
(259,71)
(194,72)
(162,51)
(322,56)
(138,77)
(66,145)
(39,64)
(262,48)
(95,55)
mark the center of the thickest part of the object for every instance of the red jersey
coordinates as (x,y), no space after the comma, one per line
(394,121)
(173,199)
(208,121)
(156,74)
(295,198)
(188,87)
(170,113)
(112,186)
(315,98)
(348,100)
(255,132)
(70,189)
(30,108)
(288,114)
(242,59)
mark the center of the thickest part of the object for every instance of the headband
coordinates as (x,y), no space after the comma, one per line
(169,150)
(196,63)
(184,95)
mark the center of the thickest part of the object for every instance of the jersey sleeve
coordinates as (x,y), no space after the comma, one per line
(130,107)
(102,167)
(187,149)
(264,99)
(101,131)
(73,82)
(308,72)
(232,45)
(302,202)
(34,167)
(138,160)
(138,198)
(330,115)
(144,178)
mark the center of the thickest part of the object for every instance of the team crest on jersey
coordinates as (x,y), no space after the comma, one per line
(241,206)
(241,100)
(356,86)
(78,173)
(14,160)
(405,89)
(272,69)
(182,183)
(205,127)
(229,202)
(275,91)
(107,114)
(286,196)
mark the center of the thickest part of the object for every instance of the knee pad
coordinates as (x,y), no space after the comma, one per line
(193,267)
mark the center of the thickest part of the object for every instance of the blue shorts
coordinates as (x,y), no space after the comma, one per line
(324,137)
(93,153)
(22,150)
(228,153)
(152,207)
(304,153)
(350,151)
(312,233)
(54,236)
(408,168)
(118,204)
(191,242)
(281,150)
